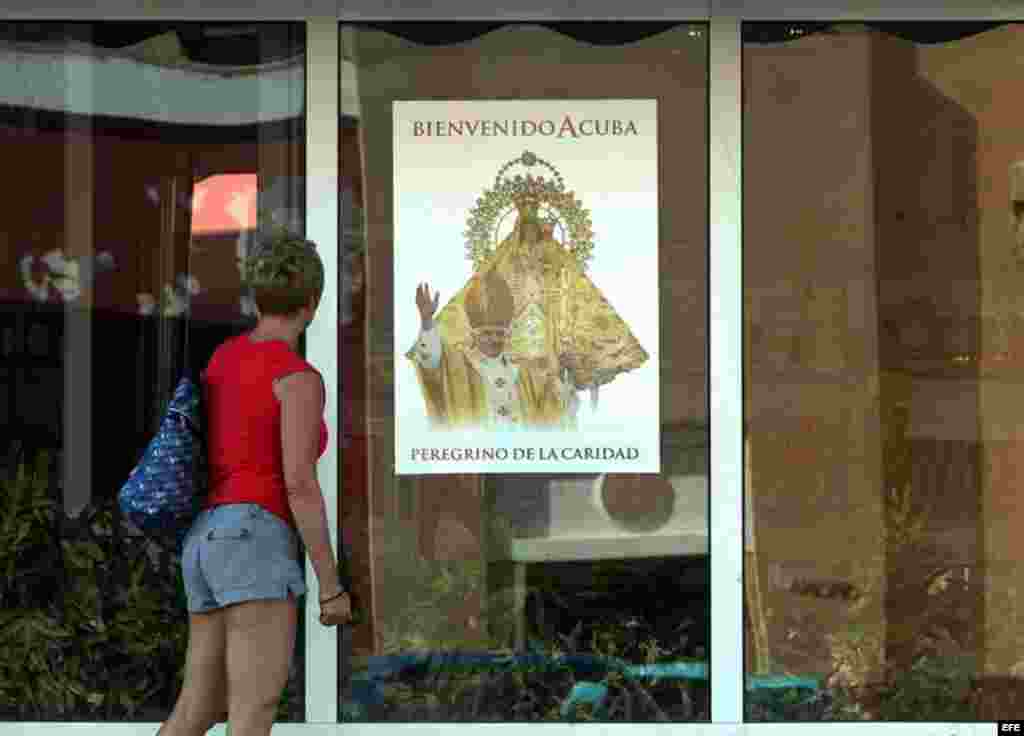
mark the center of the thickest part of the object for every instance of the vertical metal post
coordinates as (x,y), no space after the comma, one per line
(79,204)
(322,92)
(726,370)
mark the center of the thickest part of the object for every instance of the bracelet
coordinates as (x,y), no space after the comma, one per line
(328,600)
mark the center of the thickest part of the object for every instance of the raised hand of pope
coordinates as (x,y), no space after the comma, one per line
(426,304)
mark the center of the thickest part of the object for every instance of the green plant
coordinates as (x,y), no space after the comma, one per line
(28,631)
(905,520)
(421,621)
(936,688)
(93,627)
(857,653)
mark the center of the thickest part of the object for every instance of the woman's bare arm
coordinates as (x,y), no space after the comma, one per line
(302,406)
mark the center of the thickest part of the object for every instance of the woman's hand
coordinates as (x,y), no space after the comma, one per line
(336,611)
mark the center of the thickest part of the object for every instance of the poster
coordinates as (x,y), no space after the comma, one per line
(526,286)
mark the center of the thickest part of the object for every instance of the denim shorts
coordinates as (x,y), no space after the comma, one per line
(240,552)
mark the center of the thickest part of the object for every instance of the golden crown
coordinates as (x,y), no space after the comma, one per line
(528,195)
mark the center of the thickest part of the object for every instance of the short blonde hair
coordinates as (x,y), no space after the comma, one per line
(285,274)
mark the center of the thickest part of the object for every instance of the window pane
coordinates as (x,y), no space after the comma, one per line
(882,268)
(137,155)
(521,588)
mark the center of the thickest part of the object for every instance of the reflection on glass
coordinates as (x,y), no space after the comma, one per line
(136,155)
(538,595)
(882,342)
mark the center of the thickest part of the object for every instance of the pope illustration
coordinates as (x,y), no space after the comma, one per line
(529,330)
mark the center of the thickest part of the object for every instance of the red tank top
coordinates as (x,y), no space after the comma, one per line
(244,423)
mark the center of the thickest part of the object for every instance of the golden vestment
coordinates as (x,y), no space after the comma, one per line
(558,311)
(455,393)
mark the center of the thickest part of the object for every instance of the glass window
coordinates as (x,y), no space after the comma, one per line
(137,158)
(882,266)
(550,184)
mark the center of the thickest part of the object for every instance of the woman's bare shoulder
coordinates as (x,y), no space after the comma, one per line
(301,385)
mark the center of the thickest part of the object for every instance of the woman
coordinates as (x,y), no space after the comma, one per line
(240,562)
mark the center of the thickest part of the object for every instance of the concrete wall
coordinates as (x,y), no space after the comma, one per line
(982,75)
(884,331)
(812,357)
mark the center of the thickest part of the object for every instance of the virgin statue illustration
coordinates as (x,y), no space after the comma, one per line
(529,330)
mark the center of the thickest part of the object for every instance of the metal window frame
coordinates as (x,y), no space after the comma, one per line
(725,290)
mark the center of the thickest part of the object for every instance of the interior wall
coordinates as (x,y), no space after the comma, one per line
(979,74)
(812,354)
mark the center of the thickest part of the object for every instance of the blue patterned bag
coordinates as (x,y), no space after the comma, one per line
(165,492)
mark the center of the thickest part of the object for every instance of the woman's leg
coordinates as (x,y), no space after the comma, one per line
(203,699)
(260,644)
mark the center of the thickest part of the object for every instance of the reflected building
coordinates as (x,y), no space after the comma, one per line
(882,344)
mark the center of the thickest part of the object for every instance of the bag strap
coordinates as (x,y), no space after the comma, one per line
(190,367)
(187,326)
